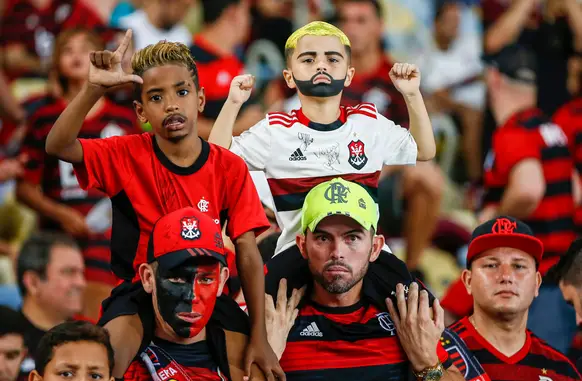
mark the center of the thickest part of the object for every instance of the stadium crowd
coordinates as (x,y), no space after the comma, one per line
(290,189)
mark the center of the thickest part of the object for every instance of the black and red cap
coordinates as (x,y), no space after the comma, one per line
(183,234)
(504,231)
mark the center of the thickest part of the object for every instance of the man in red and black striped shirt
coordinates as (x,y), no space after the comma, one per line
(28,30)
(503,277)
(528,175)
(340,333)
(569,118)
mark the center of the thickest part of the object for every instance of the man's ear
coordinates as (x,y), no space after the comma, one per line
(31,281)
(138,106)
(288,75)
(224,274)
(300,240)
(538,283)
(466,279)
(201,99)
(349,76)
(146,274)
(377,245)
(34,376)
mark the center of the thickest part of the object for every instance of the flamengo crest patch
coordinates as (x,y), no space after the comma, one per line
(190,228)
(358,158)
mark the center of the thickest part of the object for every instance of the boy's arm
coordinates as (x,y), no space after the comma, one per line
(105,71)
(250,268)
(240,91)
(406,78)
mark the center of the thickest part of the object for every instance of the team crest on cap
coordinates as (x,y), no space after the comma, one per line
(190,228)
(358,158)
(504,226)
(336,193)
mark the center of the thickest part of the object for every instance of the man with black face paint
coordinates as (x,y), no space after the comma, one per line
(199,335)
(323,140)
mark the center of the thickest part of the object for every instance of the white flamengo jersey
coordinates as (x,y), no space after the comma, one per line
(296,155)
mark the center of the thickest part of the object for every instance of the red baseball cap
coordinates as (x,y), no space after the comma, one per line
(504,231)
(183,234)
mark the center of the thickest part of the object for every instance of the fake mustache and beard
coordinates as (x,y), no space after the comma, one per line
(321,89)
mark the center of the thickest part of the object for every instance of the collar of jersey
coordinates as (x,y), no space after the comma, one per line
(176,168)
(321,126)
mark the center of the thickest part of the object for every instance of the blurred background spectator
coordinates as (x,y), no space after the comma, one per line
(51,281)
(427,212)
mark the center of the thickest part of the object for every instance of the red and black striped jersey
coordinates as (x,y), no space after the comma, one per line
(569,118)
(531,135)
(376,87)
(24,24)
(215,71)
(56,177)
(194,360)
(535,361)
(346,343)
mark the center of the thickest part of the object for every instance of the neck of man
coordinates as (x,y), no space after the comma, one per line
(506,333)
(168,334)
(321,110)
(322,297)
(367,61)
(42,318)
(505,107)
(220,37)
(184,152)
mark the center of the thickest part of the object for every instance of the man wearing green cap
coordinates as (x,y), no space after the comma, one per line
(340,331)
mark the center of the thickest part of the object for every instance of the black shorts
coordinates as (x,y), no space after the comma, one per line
(129,298)
(392,204)
(379,282)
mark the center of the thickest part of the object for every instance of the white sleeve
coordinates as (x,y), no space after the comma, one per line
(254,146)
(397,142)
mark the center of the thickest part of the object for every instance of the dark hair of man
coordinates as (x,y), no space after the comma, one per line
(213,9)
(71,332)
(569,268)
(35,255)
(11,322)
(374,3)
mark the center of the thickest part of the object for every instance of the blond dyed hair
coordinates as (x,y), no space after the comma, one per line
(316,28)
(163,53)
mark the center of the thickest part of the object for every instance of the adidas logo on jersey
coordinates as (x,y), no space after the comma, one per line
(311,330)
(297,155)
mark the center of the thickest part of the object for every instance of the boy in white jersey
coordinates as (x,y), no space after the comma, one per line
(322,140)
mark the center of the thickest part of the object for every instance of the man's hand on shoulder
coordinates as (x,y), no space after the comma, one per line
(280,319)
(418,332)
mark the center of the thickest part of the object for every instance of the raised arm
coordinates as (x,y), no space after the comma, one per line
(507,28)
(240,91)
(105,72)
(406,78)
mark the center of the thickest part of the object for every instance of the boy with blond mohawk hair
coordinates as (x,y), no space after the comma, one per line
(323,140)
(153,174)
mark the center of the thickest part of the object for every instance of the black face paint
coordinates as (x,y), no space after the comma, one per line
(321,90)
(182,291)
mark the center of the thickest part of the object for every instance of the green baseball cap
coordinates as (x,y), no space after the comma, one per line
(339,196)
